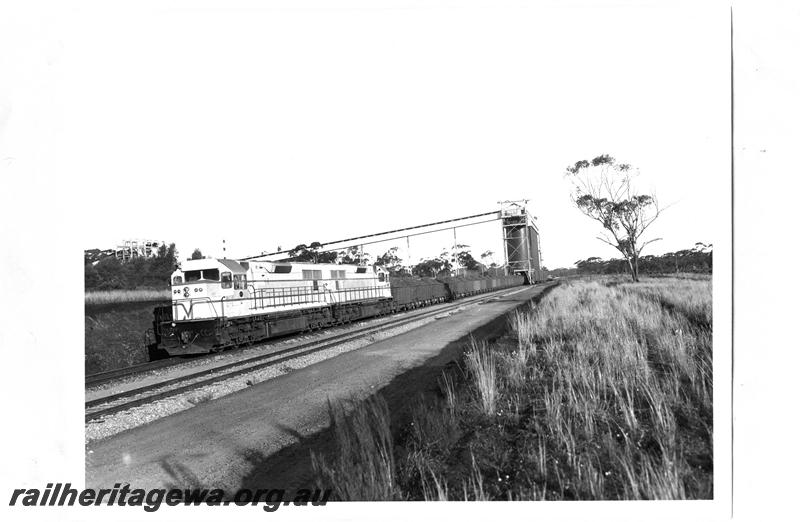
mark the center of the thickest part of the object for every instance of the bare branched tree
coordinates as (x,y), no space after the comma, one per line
(603,190)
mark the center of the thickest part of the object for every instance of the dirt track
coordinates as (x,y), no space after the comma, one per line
(261,437)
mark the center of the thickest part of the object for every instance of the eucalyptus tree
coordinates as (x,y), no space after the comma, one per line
(603,190)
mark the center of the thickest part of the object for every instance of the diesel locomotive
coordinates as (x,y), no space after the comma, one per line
(223,303)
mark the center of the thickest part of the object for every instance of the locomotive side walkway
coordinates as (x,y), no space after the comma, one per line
(260,437)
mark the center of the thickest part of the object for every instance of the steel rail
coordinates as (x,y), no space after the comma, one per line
(98,378)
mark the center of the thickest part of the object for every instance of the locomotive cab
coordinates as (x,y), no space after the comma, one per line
(233,279)
(204,288)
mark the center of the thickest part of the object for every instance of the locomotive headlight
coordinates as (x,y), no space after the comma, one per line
(173,325)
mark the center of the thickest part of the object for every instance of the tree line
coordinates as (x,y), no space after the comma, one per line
(106,272)
(445,263)
(109,273)
(698,259)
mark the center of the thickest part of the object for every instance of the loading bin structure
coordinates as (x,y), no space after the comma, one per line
(521,241)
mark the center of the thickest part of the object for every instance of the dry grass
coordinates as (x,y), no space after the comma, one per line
(602,392)
(115,335)
(364,466)
(482,366)
(102,297)
(692,300)
(115,325)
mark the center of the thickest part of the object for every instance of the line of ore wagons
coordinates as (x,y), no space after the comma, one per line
(411,292)
(407,293)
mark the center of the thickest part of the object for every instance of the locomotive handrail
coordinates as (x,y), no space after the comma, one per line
(269,281)
(190,312)
(270,297)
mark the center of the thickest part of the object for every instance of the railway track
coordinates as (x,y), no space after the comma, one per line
(96,379)
(97,408)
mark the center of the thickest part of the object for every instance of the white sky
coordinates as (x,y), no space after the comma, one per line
(278,123)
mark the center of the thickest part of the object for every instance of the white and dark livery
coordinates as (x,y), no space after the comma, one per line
(221,303)
(218,288)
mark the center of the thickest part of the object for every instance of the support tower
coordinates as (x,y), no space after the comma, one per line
(521,241)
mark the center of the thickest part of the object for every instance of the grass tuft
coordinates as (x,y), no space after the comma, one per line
(481,363)
(363,467)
